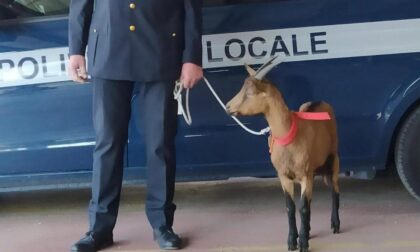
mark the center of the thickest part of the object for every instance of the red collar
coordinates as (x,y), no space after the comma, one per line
(290,136)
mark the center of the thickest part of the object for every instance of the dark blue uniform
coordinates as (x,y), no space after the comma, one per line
(137,40)
(134,44)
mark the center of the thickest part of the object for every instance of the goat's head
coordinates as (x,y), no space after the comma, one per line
(252,99)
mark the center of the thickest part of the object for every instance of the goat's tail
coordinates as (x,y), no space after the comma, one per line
(327,170)
(327,180)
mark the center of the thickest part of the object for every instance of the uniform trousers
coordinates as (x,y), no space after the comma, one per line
(112,103)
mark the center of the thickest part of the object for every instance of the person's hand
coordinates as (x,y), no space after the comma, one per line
(191,74)
(77,68)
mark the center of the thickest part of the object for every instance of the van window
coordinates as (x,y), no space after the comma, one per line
(14,9)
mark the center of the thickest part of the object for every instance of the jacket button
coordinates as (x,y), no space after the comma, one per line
(132,28)
(174,34)
(132,5)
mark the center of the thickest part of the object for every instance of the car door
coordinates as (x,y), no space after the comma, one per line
(45,119)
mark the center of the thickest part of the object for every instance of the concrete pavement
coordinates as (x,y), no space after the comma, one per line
(243,215)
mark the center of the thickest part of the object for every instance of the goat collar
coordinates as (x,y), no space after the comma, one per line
(290,136)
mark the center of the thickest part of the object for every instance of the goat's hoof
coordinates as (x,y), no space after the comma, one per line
(303,246)
(335,226)
(292,248)
(292,242)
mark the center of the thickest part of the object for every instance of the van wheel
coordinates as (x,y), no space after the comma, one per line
(407,153)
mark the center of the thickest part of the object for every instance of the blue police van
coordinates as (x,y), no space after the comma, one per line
(363,57)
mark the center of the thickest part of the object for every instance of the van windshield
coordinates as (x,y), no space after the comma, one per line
(14,9)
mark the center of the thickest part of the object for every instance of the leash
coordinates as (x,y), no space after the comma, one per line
(186,112)
(178,96)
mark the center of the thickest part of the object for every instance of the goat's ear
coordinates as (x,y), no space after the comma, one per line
(250,70)
(263,90)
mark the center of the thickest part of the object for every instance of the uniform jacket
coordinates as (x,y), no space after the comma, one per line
(136,40)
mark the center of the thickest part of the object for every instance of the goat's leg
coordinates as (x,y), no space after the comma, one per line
(335,219)
(288,188)
(305,213)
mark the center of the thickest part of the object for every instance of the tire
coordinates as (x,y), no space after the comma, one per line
(407,153)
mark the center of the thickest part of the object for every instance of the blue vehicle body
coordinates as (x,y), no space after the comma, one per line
(46,133)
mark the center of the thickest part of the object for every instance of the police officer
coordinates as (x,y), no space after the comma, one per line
(147,45)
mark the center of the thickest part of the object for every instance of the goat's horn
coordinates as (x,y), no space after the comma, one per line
(264,69)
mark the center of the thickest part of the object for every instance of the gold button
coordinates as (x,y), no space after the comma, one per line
(132,5)
(174,34)
(132,28)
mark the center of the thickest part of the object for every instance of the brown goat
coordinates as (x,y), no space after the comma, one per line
(312,151)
